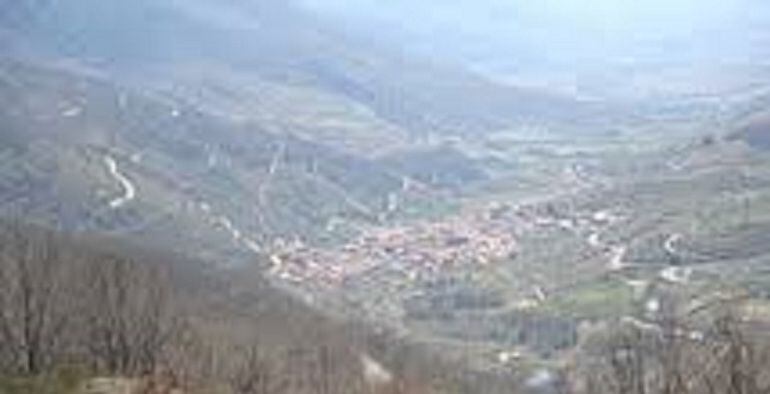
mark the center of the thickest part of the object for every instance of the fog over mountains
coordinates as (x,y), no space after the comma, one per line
(257,101)
(359,196)
(574,44)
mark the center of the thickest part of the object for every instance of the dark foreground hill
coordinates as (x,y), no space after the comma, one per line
(95,306)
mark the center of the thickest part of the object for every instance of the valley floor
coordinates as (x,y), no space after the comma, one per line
(505,285)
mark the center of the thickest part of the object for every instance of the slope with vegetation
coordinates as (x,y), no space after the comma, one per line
(84,314)
(493,238)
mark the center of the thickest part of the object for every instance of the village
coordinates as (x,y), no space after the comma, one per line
(416,251)
(477,236)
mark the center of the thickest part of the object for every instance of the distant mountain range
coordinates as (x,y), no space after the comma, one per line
(277,42)
(223,127)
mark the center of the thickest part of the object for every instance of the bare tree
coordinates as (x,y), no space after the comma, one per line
(739,362)
(727,355)
(129,315)
(33,299)
(251,373)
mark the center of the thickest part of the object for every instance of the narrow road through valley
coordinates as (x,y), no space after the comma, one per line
(674,273)
(129,190)
(618,254)
(669,245)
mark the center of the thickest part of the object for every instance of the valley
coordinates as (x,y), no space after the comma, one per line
(504,253)
(463,280)
(328,213)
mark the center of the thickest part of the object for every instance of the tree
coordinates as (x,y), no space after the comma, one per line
(129,315)
(251,373)
(34,299)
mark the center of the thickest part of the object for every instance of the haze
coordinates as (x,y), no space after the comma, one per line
(568,41)
(384,196)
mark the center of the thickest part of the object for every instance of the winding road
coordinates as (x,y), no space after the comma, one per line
(129,194)
(674,273)
(129,190)
(618,254)
(669,245)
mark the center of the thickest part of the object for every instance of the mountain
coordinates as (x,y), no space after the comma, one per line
(251,196)
(279,42)
(621,51)
(226,127)
(84,154)
(381,211)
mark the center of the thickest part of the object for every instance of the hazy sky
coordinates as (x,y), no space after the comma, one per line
(546,23)
(616,15)
(571,36)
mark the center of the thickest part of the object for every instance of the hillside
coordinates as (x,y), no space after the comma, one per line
(291,48)
(85,154)
(242,197)
(227,145)
(204,330)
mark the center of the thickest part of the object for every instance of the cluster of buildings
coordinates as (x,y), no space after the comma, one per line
(416,251)
(420,250)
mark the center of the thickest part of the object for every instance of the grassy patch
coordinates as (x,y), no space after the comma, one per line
(594,300)
(65,380)
(757,309)
(428,209)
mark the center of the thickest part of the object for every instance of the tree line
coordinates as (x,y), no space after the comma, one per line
(65,303)
(719,350)
(118,314)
